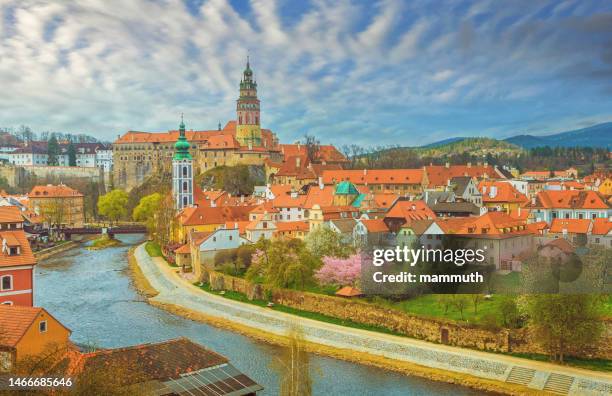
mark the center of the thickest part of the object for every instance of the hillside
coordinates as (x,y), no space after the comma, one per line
(599,135)
(474,146)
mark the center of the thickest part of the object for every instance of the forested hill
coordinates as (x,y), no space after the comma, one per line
(599,135)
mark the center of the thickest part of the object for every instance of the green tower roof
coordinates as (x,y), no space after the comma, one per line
(181,147)
(346,188)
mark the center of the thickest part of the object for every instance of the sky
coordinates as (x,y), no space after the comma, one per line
(372,73)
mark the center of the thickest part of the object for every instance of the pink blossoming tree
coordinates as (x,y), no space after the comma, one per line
(340,271)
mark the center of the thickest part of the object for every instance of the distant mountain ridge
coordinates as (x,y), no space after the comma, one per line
(596,136)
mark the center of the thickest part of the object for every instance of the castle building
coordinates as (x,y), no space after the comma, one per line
(137,155)
(182,171)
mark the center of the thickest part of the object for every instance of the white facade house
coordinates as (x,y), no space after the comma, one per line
(29,156)
(104,158)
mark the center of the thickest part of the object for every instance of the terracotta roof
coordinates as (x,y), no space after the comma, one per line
(198,237)
(10,214)
(291,226)
(573,226)
(455,207)
(495,224)
(317,196)
(156,361)
(326,153)
(411,210)
(568,199)
(216,215)
(374,176)
(375,225)
(601,226)
(16,238)
(567,185)
(349,291)
(52,191)
(266,207)
(561,243)
(183,249)
(15,322)
(538,227)
(439,175)
(500,192)
(285,200)
(419,226)
(240,225)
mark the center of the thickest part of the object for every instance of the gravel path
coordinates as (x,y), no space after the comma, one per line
(175,290)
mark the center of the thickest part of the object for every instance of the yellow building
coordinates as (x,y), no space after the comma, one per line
(605,188)
(58,205)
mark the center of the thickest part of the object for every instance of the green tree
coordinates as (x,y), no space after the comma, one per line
(71,155)
(53,151)
(113,205)
(325,242)
(283,264)
(146,211)
(564,322)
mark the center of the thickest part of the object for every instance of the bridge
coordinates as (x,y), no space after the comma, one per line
(110,231)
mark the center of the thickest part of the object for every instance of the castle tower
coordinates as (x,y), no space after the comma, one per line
(182,171)
(248,130)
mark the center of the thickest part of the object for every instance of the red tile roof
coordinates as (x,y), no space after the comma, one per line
(16,238)
(374,176)
(15,322)
(438,175)
(349,291)
(601,226)
(573,226)
(287,226)
(10,214)
(326,153)
(411,210)
(504,192)
(193,216)
(51,191)
(375,225)
(569,200)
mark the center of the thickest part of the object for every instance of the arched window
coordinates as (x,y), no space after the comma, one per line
(185,186)
(185,202)
(6,282)
(184,171)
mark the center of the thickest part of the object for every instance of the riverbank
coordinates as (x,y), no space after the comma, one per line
(52,251)
(479,370)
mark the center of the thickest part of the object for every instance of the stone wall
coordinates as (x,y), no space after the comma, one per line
(433,330)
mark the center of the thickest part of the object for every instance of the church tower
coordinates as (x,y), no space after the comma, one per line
(248,130)
(182,171)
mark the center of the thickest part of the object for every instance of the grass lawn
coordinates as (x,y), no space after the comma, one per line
(153,249)
(429,306)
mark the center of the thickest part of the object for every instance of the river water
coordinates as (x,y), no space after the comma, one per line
(91,293)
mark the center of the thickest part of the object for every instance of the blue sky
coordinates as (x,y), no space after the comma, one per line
(370,73)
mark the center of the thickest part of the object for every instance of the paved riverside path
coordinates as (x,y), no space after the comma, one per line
(537,375)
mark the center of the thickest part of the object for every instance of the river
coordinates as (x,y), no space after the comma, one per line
(91,293)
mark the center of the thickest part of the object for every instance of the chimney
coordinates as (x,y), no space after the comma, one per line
(447,165)
(298,162)
(365,172)
(321,185)
(413,207)
(519,211)
(242,198)
(212,203)
(469,164)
